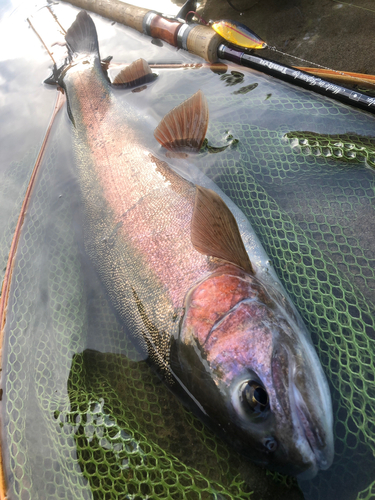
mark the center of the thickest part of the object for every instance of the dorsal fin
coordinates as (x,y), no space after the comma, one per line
(214,230)
(183,129)
(137,73)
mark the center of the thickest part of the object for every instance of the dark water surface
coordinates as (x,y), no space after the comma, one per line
(83,415)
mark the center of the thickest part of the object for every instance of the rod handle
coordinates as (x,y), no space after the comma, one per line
(199,40)
(160,27)
(204,42)
(117,11)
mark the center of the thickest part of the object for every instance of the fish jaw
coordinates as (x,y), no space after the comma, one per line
(303,392)
(236,336)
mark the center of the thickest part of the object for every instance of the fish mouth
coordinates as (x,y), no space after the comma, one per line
(310,440)
(304,393)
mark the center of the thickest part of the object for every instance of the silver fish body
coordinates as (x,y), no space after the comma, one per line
(223,334)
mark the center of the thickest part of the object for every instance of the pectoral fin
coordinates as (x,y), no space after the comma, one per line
(214,230)
(137,73)
(184,128)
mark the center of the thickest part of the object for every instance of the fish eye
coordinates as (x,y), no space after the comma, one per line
(254,396)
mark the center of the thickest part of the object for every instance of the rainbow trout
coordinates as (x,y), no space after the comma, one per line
(172,260)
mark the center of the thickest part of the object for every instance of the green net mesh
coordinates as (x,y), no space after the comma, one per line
(85,417)
(315,217)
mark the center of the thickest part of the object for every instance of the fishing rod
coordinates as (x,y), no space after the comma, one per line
(203,41)
(298,77)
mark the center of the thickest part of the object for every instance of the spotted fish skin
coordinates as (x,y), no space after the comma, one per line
(137,212)
(187,291)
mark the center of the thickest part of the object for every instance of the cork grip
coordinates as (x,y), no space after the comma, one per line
(204,42)
(115,10)
(201,40)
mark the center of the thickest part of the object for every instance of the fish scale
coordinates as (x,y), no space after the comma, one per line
(108,168)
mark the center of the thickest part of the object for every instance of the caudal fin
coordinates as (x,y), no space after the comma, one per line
(81,37)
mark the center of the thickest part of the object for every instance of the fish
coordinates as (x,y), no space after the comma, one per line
(207,311)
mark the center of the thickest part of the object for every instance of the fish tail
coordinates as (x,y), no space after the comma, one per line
(81,37)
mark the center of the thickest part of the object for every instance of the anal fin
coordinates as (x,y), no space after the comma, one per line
(183,129)
(214,230)
(137,73)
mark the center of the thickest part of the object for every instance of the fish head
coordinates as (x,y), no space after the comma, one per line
(248,361)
